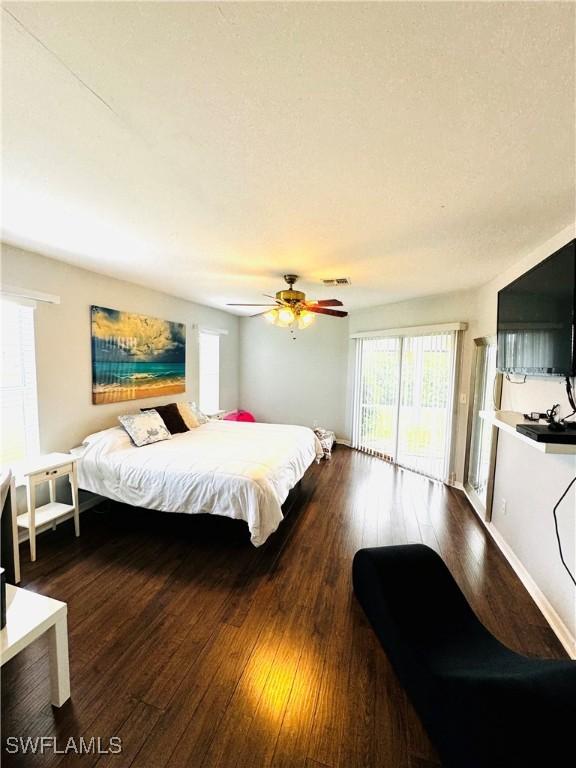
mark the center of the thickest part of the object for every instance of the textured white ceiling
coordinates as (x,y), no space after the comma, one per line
(206,149)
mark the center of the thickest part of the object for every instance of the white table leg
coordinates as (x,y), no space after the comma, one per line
(15,543)
(59,666)
(74,488)
(31,496)
(52,485)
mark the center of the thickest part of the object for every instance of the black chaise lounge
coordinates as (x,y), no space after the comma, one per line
(483,705)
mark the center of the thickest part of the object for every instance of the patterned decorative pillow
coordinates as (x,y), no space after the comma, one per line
(201,417)
(188,415)
(145,428)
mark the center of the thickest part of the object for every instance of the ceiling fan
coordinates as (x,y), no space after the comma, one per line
(291,308)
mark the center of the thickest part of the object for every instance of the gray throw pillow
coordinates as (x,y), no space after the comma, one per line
(145,428)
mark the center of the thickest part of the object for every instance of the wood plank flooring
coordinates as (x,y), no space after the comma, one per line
(199,650)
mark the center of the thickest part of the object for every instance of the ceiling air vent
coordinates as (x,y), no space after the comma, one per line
(337,281)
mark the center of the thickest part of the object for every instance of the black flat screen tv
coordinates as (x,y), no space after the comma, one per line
(536,317)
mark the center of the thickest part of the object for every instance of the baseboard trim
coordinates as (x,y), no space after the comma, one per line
(548,611)
(341,441)
(85,505)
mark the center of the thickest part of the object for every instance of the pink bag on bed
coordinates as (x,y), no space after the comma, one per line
(239,416)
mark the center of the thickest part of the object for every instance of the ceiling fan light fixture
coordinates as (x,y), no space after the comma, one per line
(285,317)
(305,319)
(293,311)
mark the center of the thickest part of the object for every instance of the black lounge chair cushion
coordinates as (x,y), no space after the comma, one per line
(482,704)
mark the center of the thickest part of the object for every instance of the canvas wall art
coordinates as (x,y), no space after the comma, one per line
(135,356)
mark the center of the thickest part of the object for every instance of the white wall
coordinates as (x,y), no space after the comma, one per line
(63,349)
(526,487)
(527,480)
(295,382)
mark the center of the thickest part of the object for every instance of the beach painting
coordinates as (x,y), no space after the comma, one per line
(135,356)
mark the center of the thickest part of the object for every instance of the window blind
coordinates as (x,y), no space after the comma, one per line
(377,390)
(18,393)
(209,371)
(404,400)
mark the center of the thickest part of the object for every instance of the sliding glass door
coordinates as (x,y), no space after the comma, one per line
(405,399)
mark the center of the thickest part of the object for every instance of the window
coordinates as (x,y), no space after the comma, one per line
(404,399)
(481,439)
(209,368)
(18,396)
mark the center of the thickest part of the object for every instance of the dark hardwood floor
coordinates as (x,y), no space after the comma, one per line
(199,650)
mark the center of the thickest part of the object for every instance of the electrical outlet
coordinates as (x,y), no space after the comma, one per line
(504,507)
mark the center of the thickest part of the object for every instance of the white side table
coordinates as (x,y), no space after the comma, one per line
(47,469)
(28,616)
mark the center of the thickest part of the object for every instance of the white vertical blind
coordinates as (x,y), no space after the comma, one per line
(18,393)
(425,413)
(209,371)
(481,433)
(377,385)
(404,397)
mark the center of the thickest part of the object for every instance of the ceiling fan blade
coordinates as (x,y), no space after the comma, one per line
(326,303)
(323,311)
(250,305)
(262,312)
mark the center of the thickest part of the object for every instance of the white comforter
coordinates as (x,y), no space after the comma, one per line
(234,469)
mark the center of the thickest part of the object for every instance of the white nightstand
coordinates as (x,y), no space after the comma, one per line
(46,469)
(217,415)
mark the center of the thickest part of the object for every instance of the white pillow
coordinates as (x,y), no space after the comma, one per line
(200,416)
(145,428)
(109,440)
(188,415)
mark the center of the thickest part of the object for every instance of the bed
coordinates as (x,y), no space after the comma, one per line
(239,470)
